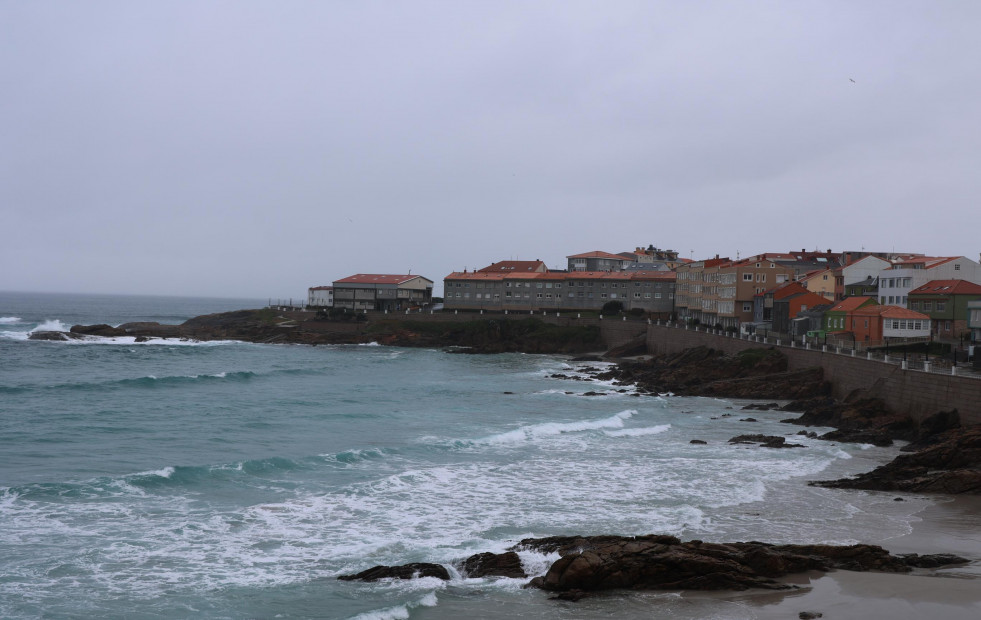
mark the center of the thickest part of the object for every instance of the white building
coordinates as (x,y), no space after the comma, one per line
(320,296)
(896,282)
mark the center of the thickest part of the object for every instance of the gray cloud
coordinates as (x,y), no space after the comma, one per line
(255,149)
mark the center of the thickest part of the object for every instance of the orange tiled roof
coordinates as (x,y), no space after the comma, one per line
(897,312)
(850,303)
(514,265)
(948,287)
(596,254)
(377,278)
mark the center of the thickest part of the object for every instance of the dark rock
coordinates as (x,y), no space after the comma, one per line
(698,441)
(594,394)
(934,560)
(758,407)
(509,392)
(568,595)
(494,565)
(54,336)
(810,615)
(898,499)
(701,371)
(876,439)
(663,562)
(748,420)
(765,441)
(102,329)
(952,464)
(406,571)
(587,358)
(637,346)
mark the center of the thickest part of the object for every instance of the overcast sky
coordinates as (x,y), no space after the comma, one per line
(259,148)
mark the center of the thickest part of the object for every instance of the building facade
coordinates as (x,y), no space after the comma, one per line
(320,296)
(386,292)
(652,292)
(946,303)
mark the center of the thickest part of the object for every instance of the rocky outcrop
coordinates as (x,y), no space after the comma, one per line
(665,563)
(494,565)
(701,371)
(406,571)
(103,330)
(54,336)
(765,441)
(951,463)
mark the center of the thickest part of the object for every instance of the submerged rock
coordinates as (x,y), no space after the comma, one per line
(766,441)
(406,571)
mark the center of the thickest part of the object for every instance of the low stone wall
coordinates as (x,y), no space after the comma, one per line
(917,393)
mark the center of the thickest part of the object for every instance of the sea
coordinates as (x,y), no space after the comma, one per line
(182,479)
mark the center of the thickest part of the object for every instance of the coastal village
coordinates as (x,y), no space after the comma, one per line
(857,299)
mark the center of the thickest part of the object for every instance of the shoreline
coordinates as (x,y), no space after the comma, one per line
(948,525)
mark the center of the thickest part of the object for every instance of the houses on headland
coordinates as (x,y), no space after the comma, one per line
(862,297)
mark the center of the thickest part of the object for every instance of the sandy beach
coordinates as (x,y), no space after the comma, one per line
(951,525)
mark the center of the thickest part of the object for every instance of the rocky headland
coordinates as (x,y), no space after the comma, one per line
(526,335)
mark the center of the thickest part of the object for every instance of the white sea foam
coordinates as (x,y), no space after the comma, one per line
(399,612)
(639,432)
(10,335)
(536,431)
(10,320)
(51,325)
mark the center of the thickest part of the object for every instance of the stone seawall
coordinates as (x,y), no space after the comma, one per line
(917,393)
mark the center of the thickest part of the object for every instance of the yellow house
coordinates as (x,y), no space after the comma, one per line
(820,281)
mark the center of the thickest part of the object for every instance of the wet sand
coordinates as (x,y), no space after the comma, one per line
(949,526)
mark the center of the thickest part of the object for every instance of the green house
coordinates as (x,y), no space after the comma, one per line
(834,319)
(946,303)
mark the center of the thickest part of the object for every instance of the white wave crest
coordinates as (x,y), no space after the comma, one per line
(399,612)
(535,431)
(14,335)
(51,325)
(10,320)
(165,472)
(639,432)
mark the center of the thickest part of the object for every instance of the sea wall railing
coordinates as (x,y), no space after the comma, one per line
(956,364)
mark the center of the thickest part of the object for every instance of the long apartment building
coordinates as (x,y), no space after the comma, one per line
(526,290)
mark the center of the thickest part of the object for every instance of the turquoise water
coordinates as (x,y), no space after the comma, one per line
(230,480)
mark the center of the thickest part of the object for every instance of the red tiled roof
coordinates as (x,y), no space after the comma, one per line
(563,275)
(514,265)
(377,278)
(850,303)
(928,262)
(596,254)
(898,312)
(948,287)
(477,275)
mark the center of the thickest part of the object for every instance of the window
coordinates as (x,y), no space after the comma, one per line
(507,295)
(656,295)
(927,306)
(538,295)
(636,295)
(957,267)
(602,295)
(941,306)
(648,295)
(747,306)
(747,277)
